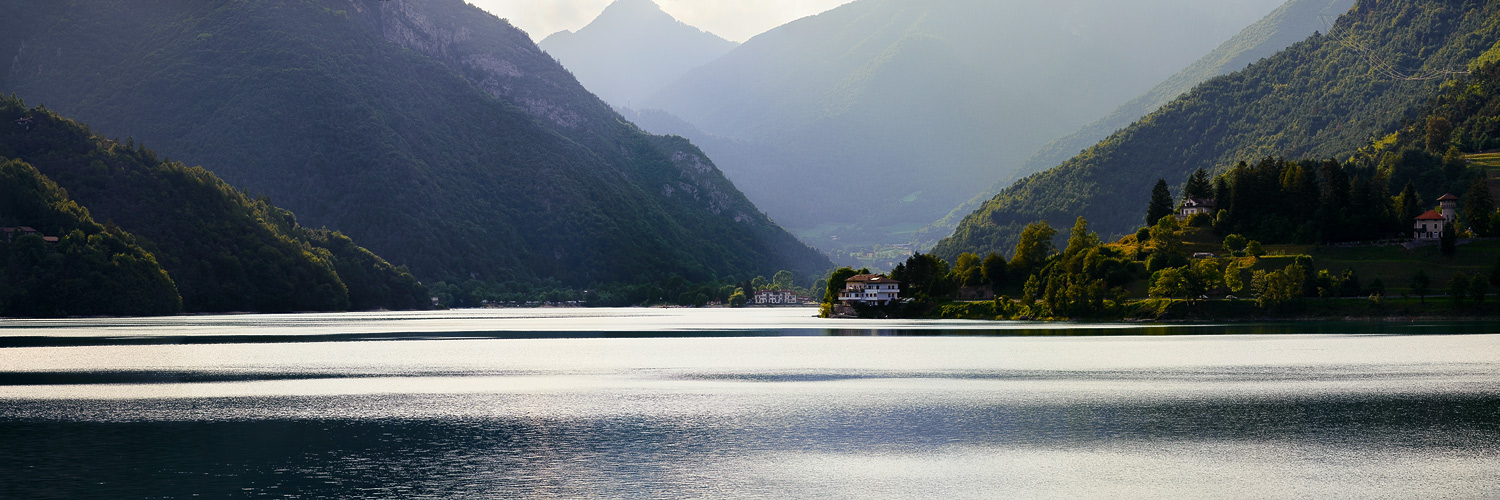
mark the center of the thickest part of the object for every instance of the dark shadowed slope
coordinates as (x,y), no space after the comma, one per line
(226,250)
(433,133)
(56,261)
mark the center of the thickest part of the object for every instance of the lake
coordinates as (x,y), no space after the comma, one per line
(744,403)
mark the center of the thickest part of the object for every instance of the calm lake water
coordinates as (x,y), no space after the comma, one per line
(749,403)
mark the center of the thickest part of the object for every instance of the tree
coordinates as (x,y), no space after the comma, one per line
(1408,204)
(1198,186)
(1234,243)
(1478,288)
(1349,285)
(1448,241)
(738,298)
(1479,207)
(967,270)
(1080,241)
(1278,287)
(1168,283)
(783,280)
(1254,249)
(1166,238)
(1033,249)
(924,276)
(1161,203)
(1033,289)
(1439,131)
(1458,287)
(1232,279)
(993,269)
(836,284)
(1420,284)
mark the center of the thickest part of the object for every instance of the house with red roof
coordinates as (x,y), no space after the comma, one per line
(1431,224)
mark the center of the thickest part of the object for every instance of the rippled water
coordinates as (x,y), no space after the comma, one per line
(753,403)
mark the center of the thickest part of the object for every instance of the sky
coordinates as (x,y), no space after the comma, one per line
(735,20)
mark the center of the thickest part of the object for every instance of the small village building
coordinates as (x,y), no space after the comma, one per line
(777,298)
(1449,204)
(870,289)
(1429,226)
(11,233)
(1195,206)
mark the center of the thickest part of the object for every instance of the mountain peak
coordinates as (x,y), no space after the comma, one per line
(632,12)
(632,50)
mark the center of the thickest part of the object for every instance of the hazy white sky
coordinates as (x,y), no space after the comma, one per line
(736,20)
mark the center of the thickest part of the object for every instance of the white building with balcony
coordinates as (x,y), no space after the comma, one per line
(870,289)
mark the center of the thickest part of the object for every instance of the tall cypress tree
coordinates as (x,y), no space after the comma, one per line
(1409,204)
(1479,207)
(1161,203)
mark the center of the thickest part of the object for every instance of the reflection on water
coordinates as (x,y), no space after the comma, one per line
(515,404)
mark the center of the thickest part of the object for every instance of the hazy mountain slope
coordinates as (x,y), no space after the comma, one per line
(1291,23)
(91,270)
(432,132)
(225,250)
(888,112)
(632,50)
(1319,98)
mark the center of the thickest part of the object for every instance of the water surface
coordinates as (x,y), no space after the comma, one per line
(751,403)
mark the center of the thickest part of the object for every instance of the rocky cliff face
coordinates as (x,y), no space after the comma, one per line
(501,59)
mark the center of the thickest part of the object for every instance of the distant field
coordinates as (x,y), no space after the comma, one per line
(1487,160)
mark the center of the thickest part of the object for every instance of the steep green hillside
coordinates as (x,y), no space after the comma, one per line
(226,250)
(1321,98)
(89,270)
(431,132)
(1291,23)
(880,116)
(632,50)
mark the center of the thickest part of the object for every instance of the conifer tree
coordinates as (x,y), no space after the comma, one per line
(1408,204)
(1478,207)
(1161,203)
(1197,186)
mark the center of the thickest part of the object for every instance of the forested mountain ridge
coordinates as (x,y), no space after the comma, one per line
(1293,22)
(1320,98)
(433,133)
(89,270)
(879,116)
(225,250)
(633,49)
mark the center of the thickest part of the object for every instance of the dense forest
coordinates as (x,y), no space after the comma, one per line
(435,134)
(1369,200)
(87,269)
(225,250)
(1327,96)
